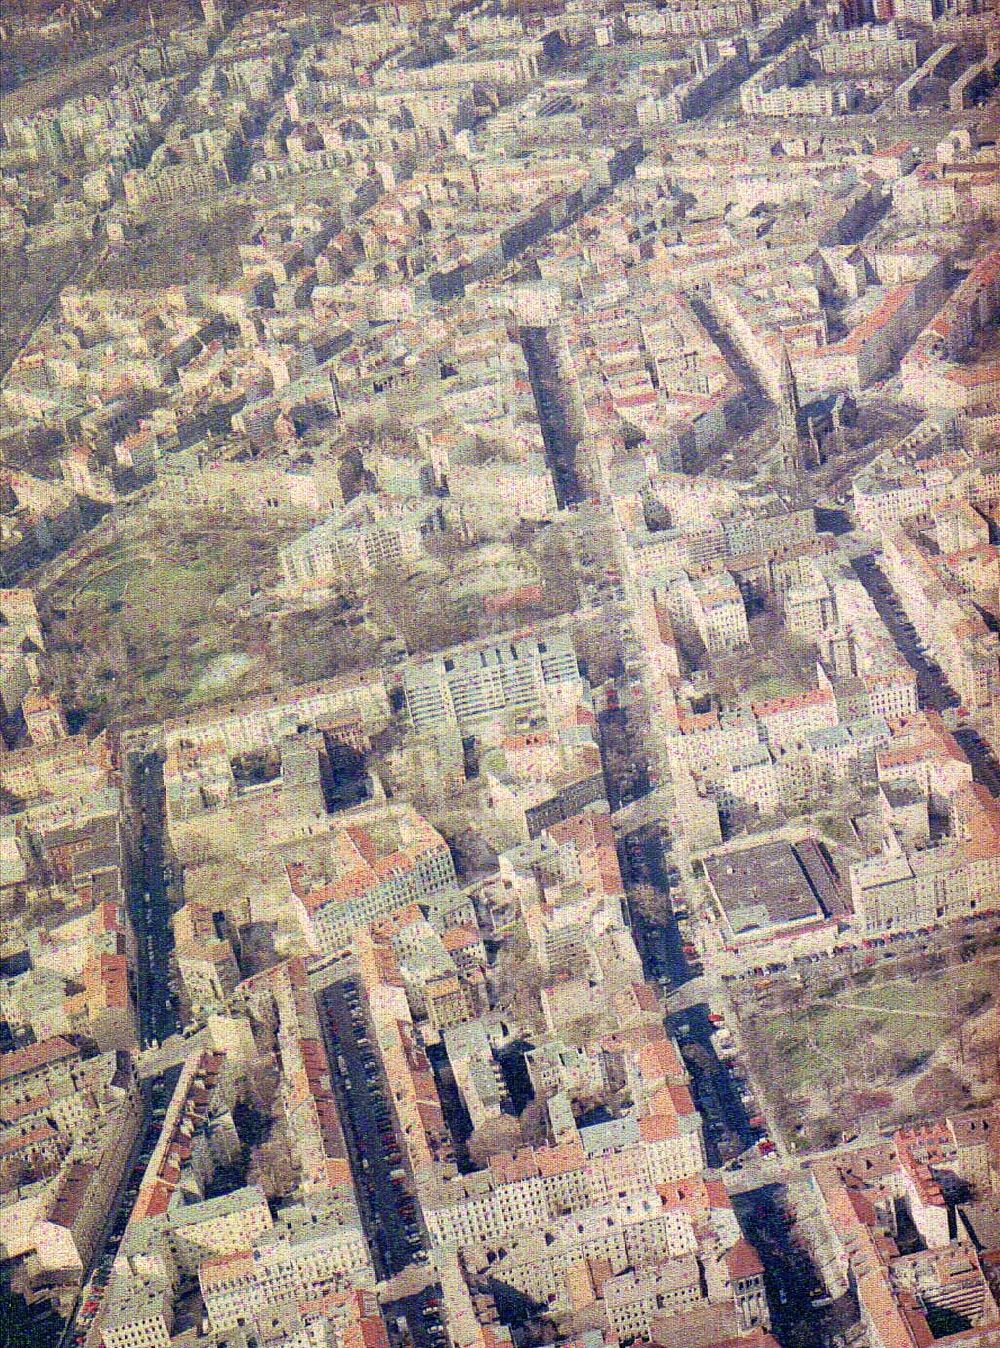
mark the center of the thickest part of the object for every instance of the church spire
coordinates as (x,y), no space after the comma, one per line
(788,403)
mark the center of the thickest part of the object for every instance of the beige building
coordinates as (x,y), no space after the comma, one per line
(205,958)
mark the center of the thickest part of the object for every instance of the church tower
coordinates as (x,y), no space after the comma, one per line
(788,407)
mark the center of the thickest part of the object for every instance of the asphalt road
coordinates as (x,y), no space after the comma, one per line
(931,683)
(793,1282)
(151,923)
(395,1235)
(151,907)
(551,400)
(716,1091)
(728,1131)
(155,1096)
(792,1279)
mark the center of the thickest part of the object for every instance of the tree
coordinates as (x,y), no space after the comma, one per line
(534,1120)
(273,1165)
(582,1031)
(939,1090)
(262,1085)
(651,903)
(600,651)
(495,1136)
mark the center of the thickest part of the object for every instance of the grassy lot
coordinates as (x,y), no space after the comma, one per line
(146,626)
(776,664)
(772,686)
(180,248)
(882,1044)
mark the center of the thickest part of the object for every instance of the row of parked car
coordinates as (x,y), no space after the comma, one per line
(383,1177)
(93,1291)
(377,1108)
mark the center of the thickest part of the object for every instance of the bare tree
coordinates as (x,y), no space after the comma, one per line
(262,1085)
(273,1165)
(492,1138)
(534,1119)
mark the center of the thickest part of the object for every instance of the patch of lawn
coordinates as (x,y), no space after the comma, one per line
(875,1037)
(143,623)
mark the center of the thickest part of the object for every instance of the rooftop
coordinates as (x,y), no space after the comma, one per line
(765,886)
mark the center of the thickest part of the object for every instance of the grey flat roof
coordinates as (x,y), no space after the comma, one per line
(763,886)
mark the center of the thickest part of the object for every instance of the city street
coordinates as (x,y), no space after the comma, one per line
(389,1210)
(802,1314)
(150,905)
(728,1130)
(933,689)
(78,1328)
(499,638)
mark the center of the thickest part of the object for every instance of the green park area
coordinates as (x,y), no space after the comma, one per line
(158,619)
(155,621)
(770,686)
(879,1048)
(195,245)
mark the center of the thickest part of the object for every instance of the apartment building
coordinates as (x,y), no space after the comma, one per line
(906,887)
(367,537)
(205,958)
(240,1287)
(719,613)
(548,1263)
(382,863)
(921,472)
(922,1170)
(261,722)
(473,683)
(532,1187)
(138,1314)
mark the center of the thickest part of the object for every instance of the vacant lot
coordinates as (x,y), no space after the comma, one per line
(191,247)
(895,1047)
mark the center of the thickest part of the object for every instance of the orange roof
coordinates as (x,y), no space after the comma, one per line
(559,1160)
(743,1261)
(876,320)
(979,374)
(35,1056)
(658,1127)
(660,1061)
(458,938)
(779,706)
(509,1167)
